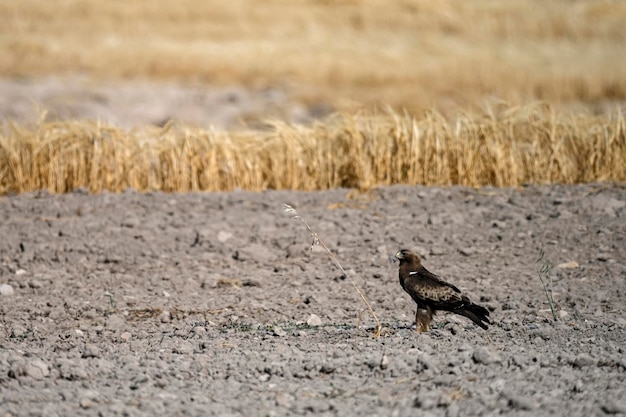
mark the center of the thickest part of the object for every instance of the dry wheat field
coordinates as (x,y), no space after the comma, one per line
(147,149)
(426,92)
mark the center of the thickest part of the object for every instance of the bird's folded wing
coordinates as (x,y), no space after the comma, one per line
(436,293)
(428,286)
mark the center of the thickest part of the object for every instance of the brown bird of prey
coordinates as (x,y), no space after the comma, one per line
(431,293)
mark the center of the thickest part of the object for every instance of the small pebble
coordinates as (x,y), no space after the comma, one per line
(279,331)
(6,290)
(165,317)
(284,399)
(91,351)
(37,369)
(453,410)
(199,330)
(425,400)
(583,360)
(484,356)
(223,236)
(314,320)
(518,402)
(86,402)
(18,331)
(467,251)
(183,347)
(614,406)
(384,362)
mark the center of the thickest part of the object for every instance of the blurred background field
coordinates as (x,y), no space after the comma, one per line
(360,93)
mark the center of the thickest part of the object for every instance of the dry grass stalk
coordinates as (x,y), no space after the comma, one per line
(504,147)
(545,274)
(318,241)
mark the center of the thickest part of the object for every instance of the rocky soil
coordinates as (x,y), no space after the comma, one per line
(217,304)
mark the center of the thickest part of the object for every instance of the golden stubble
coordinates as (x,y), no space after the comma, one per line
(504,147)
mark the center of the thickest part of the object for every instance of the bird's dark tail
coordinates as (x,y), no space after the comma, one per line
(477,314)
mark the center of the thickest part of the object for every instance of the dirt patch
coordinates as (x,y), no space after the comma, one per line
(215,304)
(139,103)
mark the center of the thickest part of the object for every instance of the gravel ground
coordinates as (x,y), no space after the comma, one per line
(217,304)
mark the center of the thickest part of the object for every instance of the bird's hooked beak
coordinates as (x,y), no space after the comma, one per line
(396,258)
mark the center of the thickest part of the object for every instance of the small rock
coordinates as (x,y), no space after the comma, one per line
(20,272)
(166,294)
(568,265)
(384,362)
(70,370)
(256,251)
(19,331)
(131,222)
(614,406)
(88,399)
(165,317)
(518,402)
(437,251)
(544,333)
(284,399)
(314,320)
(115,321)
(85,403)
(579,386)
(6,290)
(223,236)
(279,331)
(37,369)
(126,336)
(199,330)
(465,347)
(583,360)
(426,362)
(91,351)
(467,251)
(183,347)
(562,314)
(35,284)
(484,356)
(425,400)
(453,410)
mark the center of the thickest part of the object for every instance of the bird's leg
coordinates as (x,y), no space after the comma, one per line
(423,316)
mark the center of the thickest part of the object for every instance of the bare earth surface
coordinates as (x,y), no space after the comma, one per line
(215,304)
(129,104)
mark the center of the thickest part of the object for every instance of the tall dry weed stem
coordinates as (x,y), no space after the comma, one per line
(318,241)
(545,277)
(504,148)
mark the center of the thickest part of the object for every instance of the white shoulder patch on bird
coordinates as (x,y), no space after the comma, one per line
(413,273)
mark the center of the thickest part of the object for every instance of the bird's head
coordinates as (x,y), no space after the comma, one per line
(406,255)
